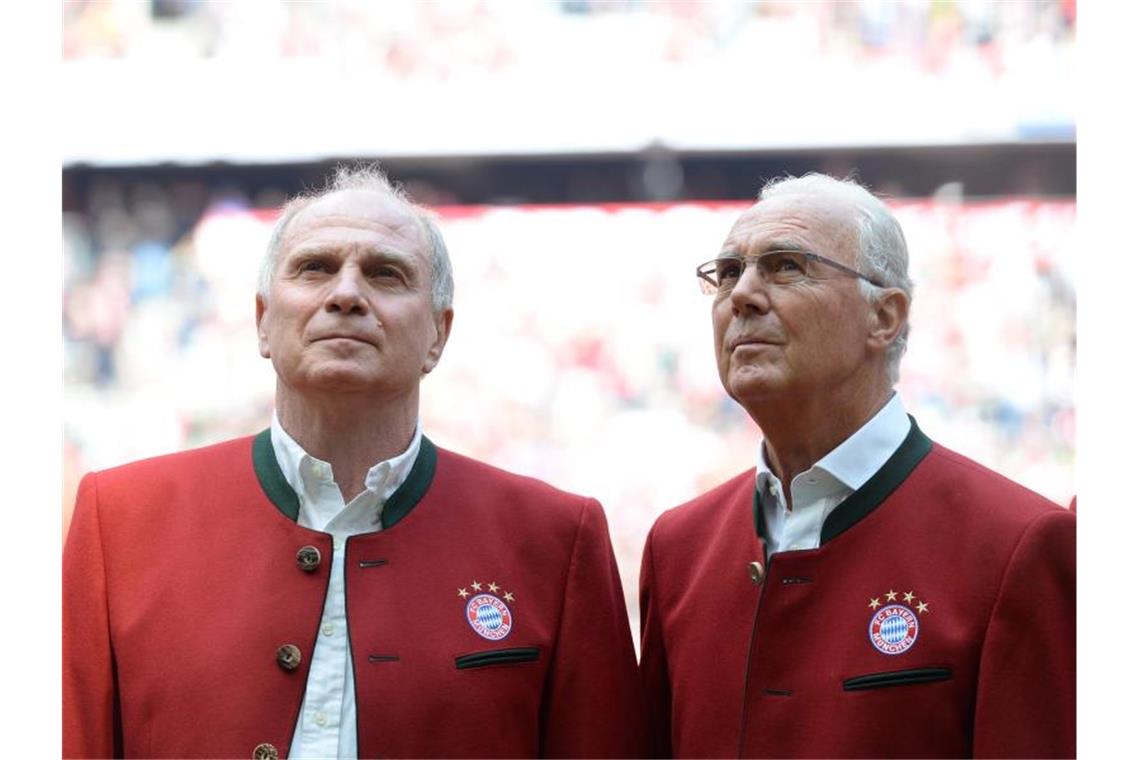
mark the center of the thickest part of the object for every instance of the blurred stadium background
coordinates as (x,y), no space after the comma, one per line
(584,156)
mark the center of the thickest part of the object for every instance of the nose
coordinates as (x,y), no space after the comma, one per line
(345,294)
(750,293)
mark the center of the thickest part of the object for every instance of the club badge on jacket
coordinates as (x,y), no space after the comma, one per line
(487,612)
(894,624)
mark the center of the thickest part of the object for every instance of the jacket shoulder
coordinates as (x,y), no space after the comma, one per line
(485,482)
(708,509)
(180,464)
(973,495)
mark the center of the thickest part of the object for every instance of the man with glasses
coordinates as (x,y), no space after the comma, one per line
(863,591)
(338,586)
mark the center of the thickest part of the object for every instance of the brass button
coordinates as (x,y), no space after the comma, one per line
(288,656)
(309,558)
(756,572)
(265,751)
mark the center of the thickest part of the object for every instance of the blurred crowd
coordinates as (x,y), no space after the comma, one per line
(581,351)
(442,39)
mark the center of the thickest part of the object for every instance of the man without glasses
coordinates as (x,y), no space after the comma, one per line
(338,586)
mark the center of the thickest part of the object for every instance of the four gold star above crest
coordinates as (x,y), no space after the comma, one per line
(875,603)
(492,587)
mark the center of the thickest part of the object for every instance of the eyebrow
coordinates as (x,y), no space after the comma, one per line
(770,247)
(374,253)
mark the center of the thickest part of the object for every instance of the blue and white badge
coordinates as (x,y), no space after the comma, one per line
(487,613)
(893,629)
(489,616)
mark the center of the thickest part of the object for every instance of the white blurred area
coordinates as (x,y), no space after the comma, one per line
(581,351)
(270,80)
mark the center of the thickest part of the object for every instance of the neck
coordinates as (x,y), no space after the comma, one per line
(799,433)
(351,433)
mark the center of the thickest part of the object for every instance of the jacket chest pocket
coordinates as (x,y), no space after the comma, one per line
(896,678)
(487,658)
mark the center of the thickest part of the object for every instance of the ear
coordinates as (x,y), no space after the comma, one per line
(442,320)
(262,335)
(888,317)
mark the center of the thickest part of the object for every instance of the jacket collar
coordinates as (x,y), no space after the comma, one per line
(871,494)
(398,505)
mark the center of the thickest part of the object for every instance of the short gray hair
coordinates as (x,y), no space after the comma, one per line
(365,177)
(881,253)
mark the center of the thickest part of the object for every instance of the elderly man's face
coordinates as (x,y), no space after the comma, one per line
(349,308)
(788,342)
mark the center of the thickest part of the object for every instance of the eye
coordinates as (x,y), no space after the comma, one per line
(784,267)
(386,272)
(313,265)
(727,270)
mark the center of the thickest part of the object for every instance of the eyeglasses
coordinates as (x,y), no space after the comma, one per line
(775,267)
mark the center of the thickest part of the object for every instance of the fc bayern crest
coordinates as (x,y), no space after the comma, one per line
(893,629)
(489,616)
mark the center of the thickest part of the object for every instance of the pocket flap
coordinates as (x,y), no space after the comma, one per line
(896,678)
(496,657)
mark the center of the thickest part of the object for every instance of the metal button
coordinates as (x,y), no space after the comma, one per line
(756,572)
(265,751)
(288,656)
(309,558)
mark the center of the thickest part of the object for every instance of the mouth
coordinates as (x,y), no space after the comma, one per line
(750,343)
(343,336)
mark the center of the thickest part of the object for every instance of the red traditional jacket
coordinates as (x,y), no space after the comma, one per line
(485,620)
(936,619)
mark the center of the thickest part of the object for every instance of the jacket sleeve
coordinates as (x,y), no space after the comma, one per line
(1026,702)
(591,706)
(89,698)
(653,670)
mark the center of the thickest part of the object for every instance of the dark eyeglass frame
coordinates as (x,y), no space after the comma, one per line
(706,271)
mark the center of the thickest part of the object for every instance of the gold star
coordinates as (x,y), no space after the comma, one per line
(509,596)
(464,593)
(891,595)
(908,597)
(493,587)
(875,603)
(922,607)
(476,586)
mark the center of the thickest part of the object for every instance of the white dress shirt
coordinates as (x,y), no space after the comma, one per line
(327,724)
(819,490)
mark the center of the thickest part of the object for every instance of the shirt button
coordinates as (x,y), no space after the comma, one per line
(338,543)
(327,629)
(288,656)
(773,488)
(308,558)
(264,751)
(316,470)
(321,719)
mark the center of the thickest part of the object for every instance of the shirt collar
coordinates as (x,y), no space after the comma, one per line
(302,470)
(861,455)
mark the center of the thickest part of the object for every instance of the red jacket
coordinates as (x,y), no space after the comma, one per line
(184,578)
(936,619)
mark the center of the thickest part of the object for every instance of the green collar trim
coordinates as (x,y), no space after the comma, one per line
(874,492)
(399,504)
(272,480)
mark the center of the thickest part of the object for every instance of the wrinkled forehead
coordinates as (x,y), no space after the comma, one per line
(365,211)
(797,222)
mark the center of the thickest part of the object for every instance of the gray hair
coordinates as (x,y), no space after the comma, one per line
(365,177)
(881,253)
